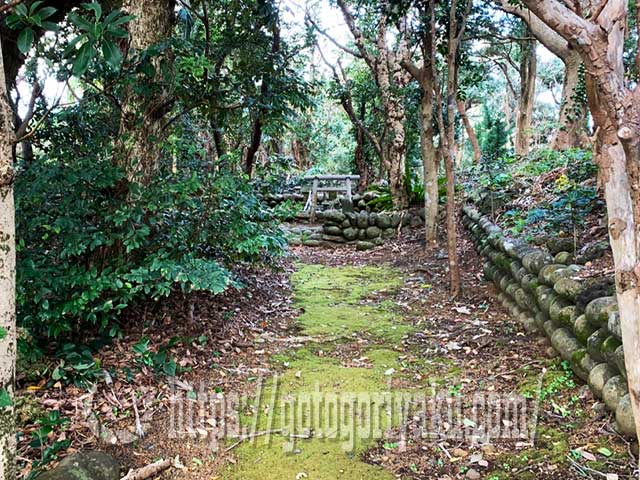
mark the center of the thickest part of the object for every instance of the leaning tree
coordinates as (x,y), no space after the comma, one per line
(598,33)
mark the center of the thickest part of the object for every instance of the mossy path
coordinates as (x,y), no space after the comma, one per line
(354,337)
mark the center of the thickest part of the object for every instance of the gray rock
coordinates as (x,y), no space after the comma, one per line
(395,219)
(85,466)
(595,341)
(613,391)
(353,218)
(591,252)
(545,272)
(383,221)
(346,223)
(335,217)
(535,260)
(613,324)
(557,245)
(373,232)
(362,234)
(373,217)
(619,361)
(362,245)
(312,243)
(363,220)
(568,288)
(599,376)
(583,329)
(598,310)
(350,233)
(332,230)
(565,343)
(624,417)
(563,257)
(334,238)
(388,233)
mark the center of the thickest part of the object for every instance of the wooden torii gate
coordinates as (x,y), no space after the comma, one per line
(337,183)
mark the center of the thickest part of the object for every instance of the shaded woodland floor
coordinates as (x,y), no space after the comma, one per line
(348,321)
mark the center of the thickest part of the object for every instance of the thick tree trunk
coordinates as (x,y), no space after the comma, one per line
(616,112)
(395,117)
(572,131)
(7,286)
(528,72)
(473,139)
(141,124)
(429,166)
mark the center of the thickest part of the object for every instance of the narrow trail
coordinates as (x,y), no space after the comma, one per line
(357,335)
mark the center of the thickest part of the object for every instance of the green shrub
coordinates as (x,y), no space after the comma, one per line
(88,249)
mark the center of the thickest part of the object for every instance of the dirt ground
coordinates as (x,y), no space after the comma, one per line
(347,321)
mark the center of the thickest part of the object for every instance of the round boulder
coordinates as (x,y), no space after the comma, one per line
(86,466)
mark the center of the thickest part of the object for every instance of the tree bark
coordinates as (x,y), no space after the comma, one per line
(473,139)
(142,119)
(359,154)
(447,133)
(616,111)
(7,285)
(429,164)
(526,100)
(572,131)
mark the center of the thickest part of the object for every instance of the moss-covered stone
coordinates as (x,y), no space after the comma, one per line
(85,466)
(613,391)
(598,310)
(624,416)
(599,375)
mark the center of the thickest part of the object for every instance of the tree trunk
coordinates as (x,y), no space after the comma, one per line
(473,139)
(359,154)
(616,112)
(429,165)
(528,72)
(7,286)
(256,140)
(572,131)
(141,124)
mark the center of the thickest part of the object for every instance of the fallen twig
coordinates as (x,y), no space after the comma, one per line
(148,471)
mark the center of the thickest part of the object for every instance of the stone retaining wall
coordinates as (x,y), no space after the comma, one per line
(365,229)
(544,296)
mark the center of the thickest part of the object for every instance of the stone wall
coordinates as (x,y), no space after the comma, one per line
(582,325)
(365,229)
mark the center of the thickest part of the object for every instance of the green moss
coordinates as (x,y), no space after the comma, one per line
(610,345)
(551,447)
(335,302)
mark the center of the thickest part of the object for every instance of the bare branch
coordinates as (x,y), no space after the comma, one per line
(325,34)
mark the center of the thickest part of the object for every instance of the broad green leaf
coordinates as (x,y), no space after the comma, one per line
(25,40)
(85,55)
(3,333)
(46,12)
(95,7)
(605,451)
(111,53)
(5,399)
